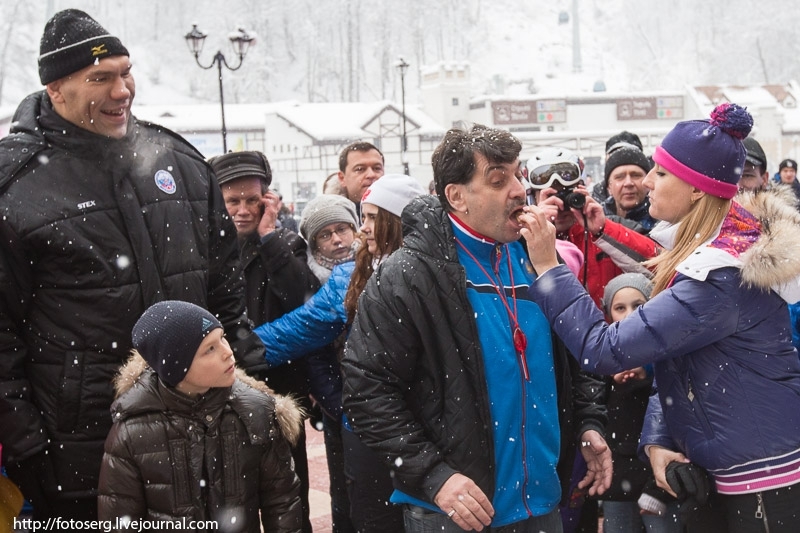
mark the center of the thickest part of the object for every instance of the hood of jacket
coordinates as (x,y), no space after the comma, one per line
(24,141)
(427,230)
(774,259)
(136,373)
(758,237)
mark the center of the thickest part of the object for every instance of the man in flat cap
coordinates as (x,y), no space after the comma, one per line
(276,272)
(754,174)
(101,216)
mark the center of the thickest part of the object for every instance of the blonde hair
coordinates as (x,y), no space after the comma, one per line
(697,227)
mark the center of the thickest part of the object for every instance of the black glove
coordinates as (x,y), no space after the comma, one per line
(34,477)
(688,481)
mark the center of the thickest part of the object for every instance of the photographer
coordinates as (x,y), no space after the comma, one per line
(611,245)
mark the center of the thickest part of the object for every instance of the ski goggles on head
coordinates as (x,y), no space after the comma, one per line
(545,176)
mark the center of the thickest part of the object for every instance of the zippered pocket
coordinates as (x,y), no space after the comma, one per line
(699,412)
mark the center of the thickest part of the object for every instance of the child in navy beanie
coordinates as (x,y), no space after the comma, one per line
(168,336)
(195,439)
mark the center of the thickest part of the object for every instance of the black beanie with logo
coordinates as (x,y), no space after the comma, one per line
(72,40)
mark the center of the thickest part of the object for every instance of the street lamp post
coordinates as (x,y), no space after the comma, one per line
(241,41)
(402,65)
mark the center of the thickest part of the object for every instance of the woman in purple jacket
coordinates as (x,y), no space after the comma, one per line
(717,329)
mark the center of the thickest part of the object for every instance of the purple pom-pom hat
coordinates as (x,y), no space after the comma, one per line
(708,154)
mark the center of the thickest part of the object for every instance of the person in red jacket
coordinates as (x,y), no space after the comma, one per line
(611,245)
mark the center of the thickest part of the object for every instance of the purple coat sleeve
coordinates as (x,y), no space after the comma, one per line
(680,320)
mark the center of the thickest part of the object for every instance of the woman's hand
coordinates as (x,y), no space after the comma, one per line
(629,375)
(540,235)
(660,458)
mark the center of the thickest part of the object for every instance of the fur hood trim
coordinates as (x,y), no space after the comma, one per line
(774,259)
(288,412)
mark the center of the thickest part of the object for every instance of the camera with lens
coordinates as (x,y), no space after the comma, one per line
(571,198)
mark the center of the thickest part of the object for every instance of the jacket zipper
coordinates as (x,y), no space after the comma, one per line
(524,377)
(523,362)
(761,512)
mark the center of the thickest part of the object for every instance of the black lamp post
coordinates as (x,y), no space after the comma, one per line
(241,41)
(402,65)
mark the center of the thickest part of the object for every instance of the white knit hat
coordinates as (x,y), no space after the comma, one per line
(393,192)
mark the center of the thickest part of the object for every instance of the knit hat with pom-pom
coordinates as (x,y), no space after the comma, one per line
(708,154)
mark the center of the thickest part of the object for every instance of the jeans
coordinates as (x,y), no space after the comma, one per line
(420,520)
(334,451)
(624,517)
(369,486)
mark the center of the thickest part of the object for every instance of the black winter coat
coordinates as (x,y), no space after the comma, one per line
(93,231)
(278,280)
(431,417)
(223,456)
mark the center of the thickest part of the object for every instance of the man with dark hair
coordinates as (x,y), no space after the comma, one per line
(787,172)
(360,164)
(451,375)
(101,216)
(276,272)
(754,175)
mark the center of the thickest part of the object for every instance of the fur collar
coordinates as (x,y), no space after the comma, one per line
(288,413)
(774,259)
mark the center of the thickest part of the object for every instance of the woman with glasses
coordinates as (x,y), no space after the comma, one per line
(328,314)
(329,223)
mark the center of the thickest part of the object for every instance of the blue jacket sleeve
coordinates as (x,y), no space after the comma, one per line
(654,429)
(311,326)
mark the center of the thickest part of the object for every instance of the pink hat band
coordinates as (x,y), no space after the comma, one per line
(706,184)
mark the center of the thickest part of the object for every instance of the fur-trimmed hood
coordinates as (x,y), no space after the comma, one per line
(137,373)
(774,259)
(760,236)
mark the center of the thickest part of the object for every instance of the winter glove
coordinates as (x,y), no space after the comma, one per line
(654,499)
(688,481)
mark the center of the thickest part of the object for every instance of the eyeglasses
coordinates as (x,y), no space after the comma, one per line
(566,173)
(341,231)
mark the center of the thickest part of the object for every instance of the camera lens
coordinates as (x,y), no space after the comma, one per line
(571,198)
(575,200)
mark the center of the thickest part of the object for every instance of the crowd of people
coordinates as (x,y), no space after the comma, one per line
(507,351)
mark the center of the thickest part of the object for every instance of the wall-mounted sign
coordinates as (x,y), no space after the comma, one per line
(529,112)
(666,107)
